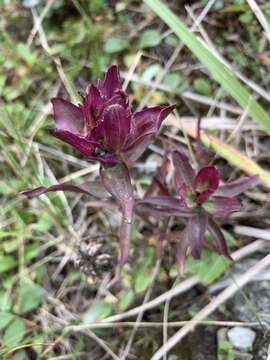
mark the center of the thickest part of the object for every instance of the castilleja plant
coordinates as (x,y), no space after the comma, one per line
(202,200)
(103,128)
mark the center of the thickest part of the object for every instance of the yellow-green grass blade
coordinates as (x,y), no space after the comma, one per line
(236,158)
(218,71)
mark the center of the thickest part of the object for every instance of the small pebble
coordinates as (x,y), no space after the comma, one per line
(241,338)
(30,3)
(173,357)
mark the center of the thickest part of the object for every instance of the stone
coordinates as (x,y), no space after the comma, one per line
(241,338)
(251,303)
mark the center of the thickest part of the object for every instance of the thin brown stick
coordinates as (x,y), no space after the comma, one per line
(159,324)
(39,22)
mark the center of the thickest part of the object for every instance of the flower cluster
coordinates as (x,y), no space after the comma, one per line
(105,129)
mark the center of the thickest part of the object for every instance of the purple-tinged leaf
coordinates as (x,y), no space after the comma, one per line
(236,187)
(216,232)
(117,181)
(196,228)
(167,204)
(137,149)
(145,124)
(184,174)
(222,206)
(90,188)
(111,83)
(206,183)
(80,143)
(114,129)
(144,127)
(149,120)
(68,117)
(181,252)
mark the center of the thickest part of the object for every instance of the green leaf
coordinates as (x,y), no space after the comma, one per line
(246,18)
(11,245)
(142,280)
(114,45)
(172,40)
(7,263)
(31,251)
(125,299)
(96,5)
(30,297)
(14,333)
(143,275)
(96,312)
(25,53)
(148,39)
(5,187)
(212,268)
(9,281)
(151,72)
(19,355)
(208,268)
(5,301)
(172,80)
(218,71)
(202,86)
(44,222)
(5,319)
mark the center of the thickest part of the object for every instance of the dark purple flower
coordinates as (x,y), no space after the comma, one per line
(201,200)
(103,127)
(202,191)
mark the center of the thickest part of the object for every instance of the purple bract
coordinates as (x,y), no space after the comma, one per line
(104,128)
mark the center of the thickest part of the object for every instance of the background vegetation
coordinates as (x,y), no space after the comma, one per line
(49,306)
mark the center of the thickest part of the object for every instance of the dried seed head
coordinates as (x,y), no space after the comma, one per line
(95,257)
